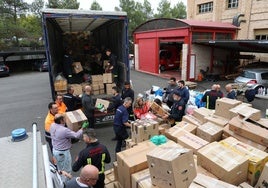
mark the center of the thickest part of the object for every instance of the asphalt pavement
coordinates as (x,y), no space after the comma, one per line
(25,96)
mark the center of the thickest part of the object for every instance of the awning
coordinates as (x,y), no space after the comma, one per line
(259,46)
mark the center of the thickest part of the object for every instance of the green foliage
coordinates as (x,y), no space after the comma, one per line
(63,4)
(165,11)
(95,6)
(36,7)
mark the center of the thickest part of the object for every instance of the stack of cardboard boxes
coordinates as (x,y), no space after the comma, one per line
(228,146)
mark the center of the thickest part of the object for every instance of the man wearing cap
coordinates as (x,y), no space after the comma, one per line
(177,109)
(95,154)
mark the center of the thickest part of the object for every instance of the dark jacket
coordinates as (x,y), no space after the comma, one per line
(88,105)
(115,102)
(71,101)
(210,98)
(95,154)
(177,110)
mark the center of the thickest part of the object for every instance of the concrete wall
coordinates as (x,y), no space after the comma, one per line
(256,17)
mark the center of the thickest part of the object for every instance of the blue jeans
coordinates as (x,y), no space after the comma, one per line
(64,160)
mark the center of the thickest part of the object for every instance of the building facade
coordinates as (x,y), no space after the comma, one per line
(251,16)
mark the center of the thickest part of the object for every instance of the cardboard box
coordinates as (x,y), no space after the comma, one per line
(245,111)
(257,158)
(115,166)
(191,119)
(77,89)
(218,120)
(158,110)
(201,113)
(77,67)
(143,129)
(175,131)
(249,130)
(108,88)
(60,85)
(263,180)
(104,103)
(114,184)
(97,79)
(263,122)
(171,166)
(227,133)
(203,181)
(109,176)
(131,161)
(142,179)
(224,163)
(107,78)
(162,128)
(209,132)
(223,106)
(190,140)
(74,119)
(245,185)
(186,126)
(130,143)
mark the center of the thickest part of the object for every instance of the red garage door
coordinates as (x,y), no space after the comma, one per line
(148,55)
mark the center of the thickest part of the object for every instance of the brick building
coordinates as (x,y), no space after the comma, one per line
(251,16)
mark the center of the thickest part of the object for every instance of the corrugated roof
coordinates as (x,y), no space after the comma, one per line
(171,23)
(198,23)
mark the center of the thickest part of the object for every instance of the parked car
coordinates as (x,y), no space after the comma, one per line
(4,70)
(40,65)
(254,78)
(169,58)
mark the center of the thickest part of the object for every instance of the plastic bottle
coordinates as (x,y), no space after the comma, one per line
(259,91)
(264,90)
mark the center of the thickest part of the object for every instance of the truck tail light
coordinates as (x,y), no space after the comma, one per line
(252,82)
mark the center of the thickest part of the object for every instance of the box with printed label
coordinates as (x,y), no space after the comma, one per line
(107,78)
(209,132)
(173,132)
(158,110)
(257,158)
(74,119)
(263,180)
(102,104)
(223,106)
(227,133)
(132,160)
(190,140)
(218,120)
(191,119)
(171,166)
(142,179)
(201,113)
(142,130)
(245,111)
(203,181)
(223,162)
(249,130)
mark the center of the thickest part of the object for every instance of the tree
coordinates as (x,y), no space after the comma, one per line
(95,6)
(11,10)
(179,11)
(36,7)
(164,10)
(63,4)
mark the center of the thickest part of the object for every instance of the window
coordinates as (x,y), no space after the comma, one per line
(223,36)
(197,36)
(261,37)
(206,7)
(233,3)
